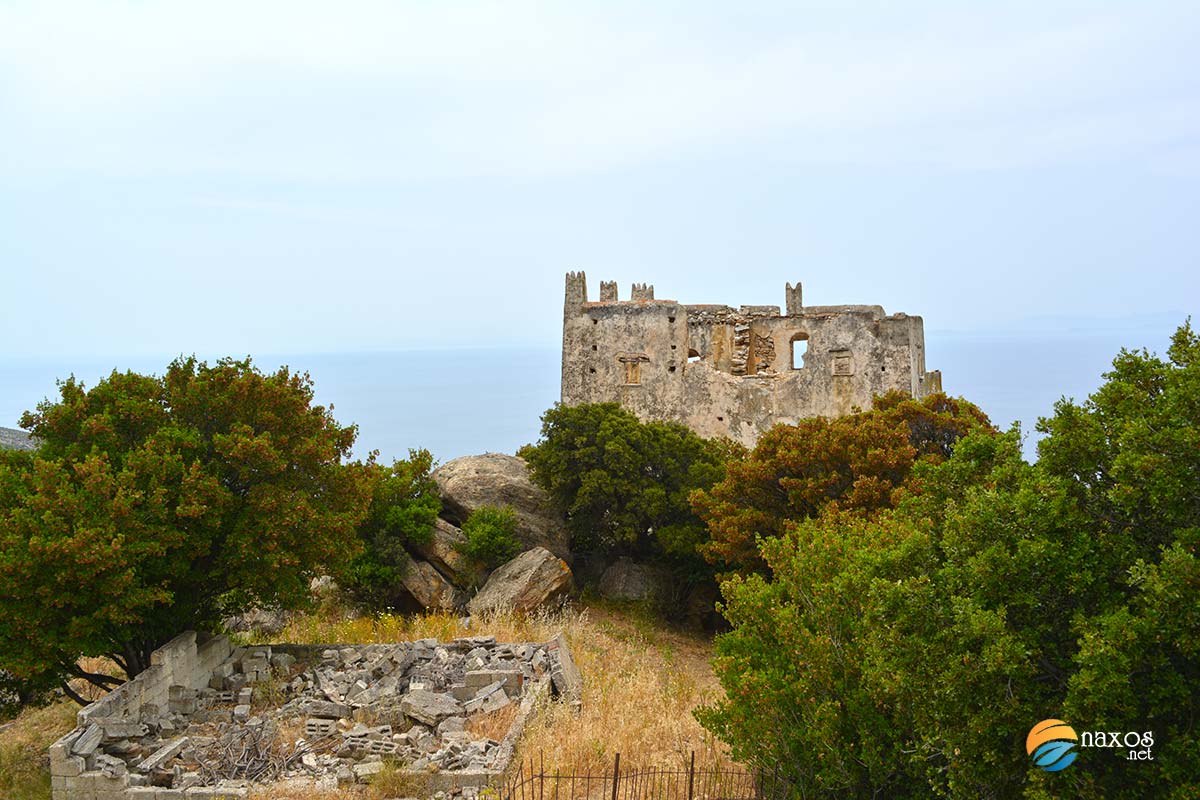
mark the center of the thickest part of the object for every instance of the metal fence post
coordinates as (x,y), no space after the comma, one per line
(616,775)
(692,777)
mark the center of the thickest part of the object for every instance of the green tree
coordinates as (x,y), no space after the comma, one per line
(159,504)
(402,513)
(624,484)
(854,462)
(909,652)
(491,535)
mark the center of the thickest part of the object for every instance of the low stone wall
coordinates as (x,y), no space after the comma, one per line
(78,772)
(158,736)
(180,662)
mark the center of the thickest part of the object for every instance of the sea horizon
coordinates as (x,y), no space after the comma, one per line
(457,401)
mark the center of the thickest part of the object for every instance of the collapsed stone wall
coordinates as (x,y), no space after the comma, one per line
(735,372)
(211,720)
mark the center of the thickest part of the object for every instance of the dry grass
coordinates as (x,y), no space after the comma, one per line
(642,681)
(494,725)
(24,763)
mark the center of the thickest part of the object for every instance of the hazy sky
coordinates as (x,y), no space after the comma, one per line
(251,177)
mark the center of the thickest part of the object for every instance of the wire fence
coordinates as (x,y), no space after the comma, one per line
(622,782)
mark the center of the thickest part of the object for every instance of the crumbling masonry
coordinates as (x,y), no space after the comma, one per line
(735,372)
(212,720)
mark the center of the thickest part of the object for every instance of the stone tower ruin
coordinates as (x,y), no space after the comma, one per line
(735,372)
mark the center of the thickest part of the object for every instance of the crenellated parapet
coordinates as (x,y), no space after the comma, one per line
(736,371)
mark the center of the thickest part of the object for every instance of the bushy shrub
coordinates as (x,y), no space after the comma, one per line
(491,535)
(404,507)
(155,505)
(908,653)
(624,484)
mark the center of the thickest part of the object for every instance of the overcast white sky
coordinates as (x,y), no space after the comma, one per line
(301,177)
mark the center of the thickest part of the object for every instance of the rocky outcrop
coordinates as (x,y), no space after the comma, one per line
(496,479)
(533,579)
(627,580)
(428,589)
(14,439)
(265,622)
(443,551)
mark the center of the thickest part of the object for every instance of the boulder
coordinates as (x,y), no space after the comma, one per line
(627,580)
(496,479)
(442,551)
(429,589)
(535,578)
(260,621)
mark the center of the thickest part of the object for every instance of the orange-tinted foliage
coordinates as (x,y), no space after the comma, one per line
(855,463)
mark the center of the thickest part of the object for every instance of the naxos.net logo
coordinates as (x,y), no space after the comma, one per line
(1051,743)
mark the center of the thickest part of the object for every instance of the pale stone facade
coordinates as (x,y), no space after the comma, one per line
(735,372)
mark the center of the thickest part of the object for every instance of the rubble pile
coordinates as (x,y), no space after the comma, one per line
(327,715)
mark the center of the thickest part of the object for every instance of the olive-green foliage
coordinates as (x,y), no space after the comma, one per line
(491,535)
(402,513)
(908,654)
(159,504)
(624,484)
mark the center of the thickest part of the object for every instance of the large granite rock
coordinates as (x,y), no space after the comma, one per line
(496,479)
(442,551)
(627,580)
(428,589)
(535,578)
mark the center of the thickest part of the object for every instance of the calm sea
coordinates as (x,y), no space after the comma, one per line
(460,402)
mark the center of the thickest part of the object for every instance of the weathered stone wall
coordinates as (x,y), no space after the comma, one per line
(729,372)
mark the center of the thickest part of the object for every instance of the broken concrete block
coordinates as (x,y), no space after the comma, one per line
(490,698)
(88,741)
(315,727)
(323,708)
(451,724)
(563,673)
(163,754)
(430,708)
(110,766)
(513,680)
(67,766)
(121,728)
(366,770)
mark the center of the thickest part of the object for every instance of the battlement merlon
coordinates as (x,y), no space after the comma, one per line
(642,291)
(576,293)
(793,299)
